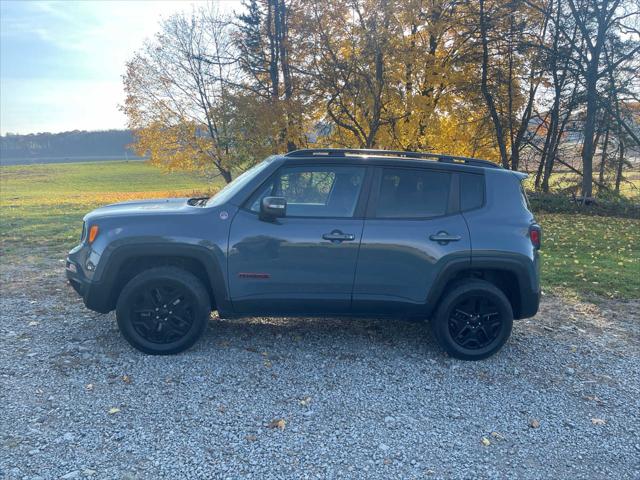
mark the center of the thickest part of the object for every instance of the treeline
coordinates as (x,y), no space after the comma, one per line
(76,144)
(531,84)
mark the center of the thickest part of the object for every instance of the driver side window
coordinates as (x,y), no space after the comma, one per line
(314,191)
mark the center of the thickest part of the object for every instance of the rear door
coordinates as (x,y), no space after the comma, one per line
(305,262)
(412,230)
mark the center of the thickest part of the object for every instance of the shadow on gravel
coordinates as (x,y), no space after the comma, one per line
(330,335)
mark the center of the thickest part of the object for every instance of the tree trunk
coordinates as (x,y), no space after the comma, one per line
(591,81)
(546,162)
(589,130)
(553,151)
(485,88)
(283,32)
(274,53)
(226,174)
(620,162)
(605,145)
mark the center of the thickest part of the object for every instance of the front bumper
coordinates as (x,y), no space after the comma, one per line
(94,296)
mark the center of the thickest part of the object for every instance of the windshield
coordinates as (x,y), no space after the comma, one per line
(231,189)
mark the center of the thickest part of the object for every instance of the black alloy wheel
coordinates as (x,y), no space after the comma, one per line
(163,310)
(474,322)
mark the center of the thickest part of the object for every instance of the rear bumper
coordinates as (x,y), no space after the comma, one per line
(529,303)
(92,293)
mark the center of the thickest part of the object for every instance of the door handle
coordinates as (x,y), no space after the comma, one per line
(337,236)
(443,238)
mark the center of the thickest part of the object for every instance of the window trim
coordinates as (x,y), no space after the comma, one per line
(363,194)
(453,202)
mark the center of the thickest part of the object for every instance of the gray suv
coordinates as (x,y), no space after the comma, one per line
(324,232)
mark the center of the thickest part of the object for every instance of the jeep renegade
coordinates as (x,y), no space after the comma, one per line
(324,232)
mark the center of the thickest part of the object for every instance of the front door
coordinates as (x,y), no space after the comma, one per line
(303,263)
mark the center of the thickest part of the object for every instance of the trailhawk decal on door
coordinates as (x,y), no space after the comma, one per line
(263,276)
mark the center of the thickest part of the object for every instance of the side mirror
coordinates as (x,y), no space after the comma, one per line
(273,207)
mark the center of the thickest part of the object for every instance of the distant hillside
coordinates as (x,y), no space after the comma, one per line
(67,146)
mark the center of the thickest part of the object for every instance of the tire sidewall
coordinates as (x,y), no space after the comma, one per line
(441,321)
(178,278)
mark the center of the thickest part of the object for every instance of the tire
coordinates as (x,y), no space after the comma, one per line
(163,310)
(473,320)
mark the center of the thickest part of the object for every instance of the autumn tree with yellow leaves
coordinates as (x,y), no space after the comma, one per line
(489,79)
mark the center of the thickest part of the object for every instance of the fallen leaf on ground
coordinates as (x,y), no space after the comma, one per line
(534,423)
(280,423)
(126,379)
(251,438)
(88,387)
(113,410)
(598,421)
(305,401)
(485,441)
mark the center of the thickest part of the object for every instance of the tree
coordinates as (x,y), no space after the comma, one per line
(512,69)
(348,66)
(178,98)
(500,80)
(264,58)
(597,21)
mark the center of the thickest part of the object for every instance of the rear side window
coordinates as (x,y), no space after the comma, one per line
(471,191)
(412,193)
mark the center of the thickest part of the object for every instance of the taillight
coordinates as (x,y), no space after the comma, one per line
(535,234)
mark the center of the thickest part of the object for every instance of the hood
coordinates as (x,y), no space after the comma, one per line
(141,207)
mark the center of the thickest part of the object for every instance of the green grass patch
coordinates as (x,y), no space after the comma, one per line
(43,205)
(591,255)
(41,210)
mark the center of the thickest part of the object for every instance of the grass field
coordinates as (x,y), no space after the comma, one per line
(43,206)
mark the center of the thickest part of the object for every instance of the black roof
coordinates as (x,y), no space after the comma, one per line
(389,154)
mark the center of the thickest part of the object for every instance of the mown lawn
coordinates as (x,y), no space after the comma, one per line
(43,206)
(591,255)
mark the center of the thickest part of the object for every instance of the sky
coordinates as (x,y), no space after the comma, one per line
(61,62)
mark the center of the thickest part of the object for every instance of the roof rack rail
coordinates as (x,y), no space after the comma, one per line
(343,152)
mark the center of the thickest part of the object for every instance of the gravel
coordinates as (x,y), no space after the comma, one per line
(312,398)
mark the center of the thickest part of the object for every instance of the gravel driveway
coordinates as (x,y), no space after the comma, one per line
(313,398)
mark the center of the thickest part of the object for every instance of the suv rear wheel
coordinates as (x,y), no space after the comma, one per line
(163,310)
(473,320)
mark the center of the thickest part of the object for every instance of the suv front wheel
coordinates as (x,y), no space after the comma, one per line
(473,320)
(163,310)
